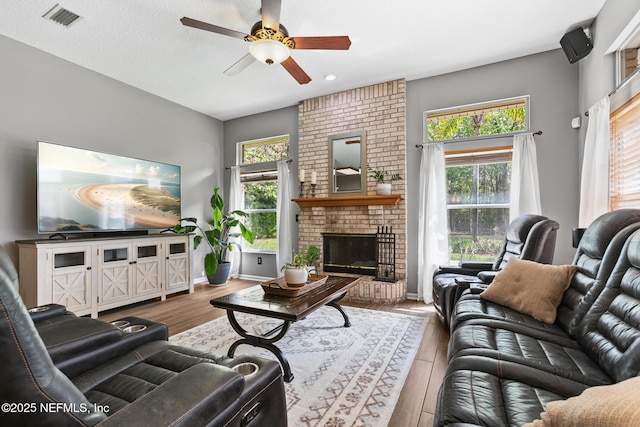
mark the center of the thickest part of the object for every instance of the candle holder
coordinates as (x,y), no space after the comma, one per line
(313,190)
(301,189)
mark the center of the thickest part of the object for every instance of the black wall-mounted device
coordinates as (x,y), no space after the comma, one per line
(576,45)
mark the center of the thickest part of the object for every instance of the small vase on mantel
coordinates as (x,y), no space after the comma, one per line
(383,188)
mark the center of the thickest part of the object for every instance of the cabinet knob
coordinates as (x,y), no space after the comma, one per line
(89,268)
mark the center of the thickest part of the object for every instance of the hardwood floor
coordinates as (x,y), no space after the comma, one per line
(416,405)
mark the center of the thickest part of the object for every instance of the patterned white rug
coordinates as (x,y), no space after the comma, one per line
(342,376)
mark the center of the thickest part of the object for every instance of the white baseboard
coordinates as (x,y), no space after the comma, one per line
(254,278)
(412,296)
(200,280)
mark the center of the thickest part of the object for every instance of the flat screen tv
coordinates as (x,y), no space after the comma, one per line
(84,191)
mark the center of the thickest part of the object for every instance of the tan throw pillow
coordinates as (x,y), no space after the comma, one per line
(530,288)
(603,406)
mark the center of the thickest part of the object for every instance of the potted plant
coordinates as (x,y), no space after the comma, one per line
(382,188)
(296,272)
(217,235)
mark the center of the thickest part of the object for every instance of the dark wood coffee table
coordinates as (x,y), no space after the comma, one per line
(253,300)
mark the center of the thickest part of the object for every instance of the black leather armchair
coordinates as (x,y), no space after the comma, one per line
(528,237)
(155,383)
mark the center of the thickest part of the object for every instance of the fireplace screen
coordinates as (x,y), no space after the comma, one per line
(349,253)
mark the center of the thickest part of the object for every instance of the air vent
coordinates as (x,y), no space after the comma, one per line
(61,15)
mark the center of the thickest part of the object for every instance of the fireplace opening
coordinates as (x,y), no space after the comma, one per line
(349,253)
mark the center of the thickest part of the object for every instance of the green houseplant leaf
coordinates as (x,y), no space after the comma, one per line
(304,259)
(379,174)
(217,232)
(210,264)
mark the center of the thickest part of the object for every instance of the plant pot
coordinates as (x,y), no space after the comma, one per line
(222,274)
(383,188)
(296,276)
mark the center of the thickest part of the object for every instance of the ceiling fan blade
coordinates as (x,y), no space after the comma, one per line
(213,28)
(271,14)
(296,72)
(243,63)
(327,43)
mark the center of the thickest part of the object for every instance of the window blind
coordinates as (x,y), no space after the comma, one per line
(624,163)
(478,157)
(258,176)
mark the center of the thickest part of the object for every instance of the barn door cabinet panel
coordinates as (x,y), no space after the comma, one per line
(177,266)
(92,275)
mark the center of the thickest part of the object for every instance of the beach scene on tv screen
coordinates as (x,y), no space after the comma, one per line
(81,190)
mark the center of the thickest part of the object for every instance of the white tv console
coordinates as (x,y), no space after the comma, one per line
(89,275)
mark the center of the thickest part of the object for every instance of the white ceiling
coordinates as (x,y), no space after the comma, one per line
(143,43)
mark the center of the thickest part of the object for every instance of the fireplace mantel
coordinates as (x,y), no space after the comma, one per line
(309,202)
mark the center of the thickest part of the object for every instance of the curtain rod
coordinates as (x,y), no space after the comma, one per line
(623,84)
(481,138)
(253,164)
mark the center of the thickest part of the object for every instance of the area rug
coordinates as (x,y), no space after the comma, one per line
(342,376)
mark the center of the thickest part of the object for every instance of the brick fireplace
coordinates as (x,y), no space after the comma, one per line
(379,111)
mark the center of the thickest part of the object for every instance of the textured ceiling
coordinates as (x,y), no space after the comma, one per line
(142,43)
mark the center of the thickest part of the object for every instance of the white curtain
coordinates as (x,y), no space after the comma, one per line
(525,188)
(283,216)
(235,203)
(594,183)
(433,235)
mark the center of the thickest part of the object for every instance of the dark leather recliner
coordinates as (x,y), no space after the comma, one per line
(595,258)
(155,383)
(505,367)
(528,237)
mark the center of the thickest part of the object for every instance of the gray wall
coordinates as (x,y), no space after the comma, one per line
(264,125)
(597,70)
(44,97)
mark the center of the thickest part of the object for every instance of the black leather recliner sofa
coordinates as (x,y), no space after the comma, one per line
(529,237)
(87,372)
(505,367)
(77,344)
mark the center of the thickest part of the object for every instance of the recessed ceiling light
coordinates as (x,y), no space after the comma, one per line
(330,77)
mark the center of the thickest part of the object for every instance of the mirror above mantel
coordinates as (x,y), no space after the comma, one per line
(347,160)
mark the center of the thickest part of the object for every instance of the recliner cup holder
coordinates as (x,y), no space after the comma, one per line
(247,369)
(120,324)
(133,328)
(39,309)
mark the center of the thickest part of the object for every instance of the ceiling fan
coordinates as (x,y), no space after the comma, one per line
(270,42)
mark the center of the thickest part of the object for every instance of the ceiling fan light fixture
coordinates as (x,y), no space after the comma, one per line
(269,51)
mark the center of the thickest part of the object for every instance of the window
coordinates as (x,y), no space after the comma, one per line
(260,201)
(478,203)
(487,119)
(627,56)
(260,188)
(627,62)
(263,150)
(624,160)
(479,180)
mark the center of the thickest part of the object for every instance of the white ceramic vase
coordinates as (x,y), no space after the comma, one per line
(295,276)
(383,188)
